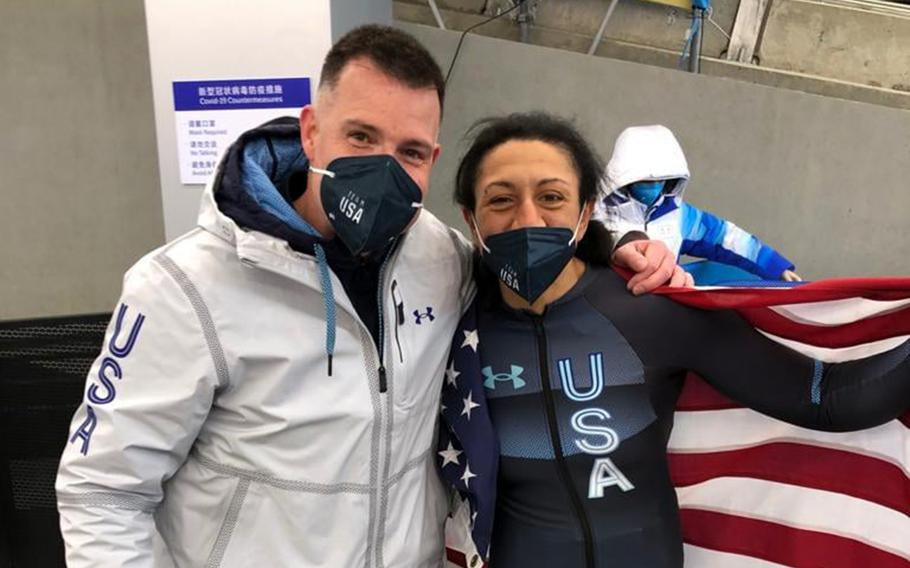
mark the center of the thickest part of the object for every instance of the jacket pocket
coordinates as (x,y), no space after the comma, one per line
(227,526)
(398,301)
(283,524)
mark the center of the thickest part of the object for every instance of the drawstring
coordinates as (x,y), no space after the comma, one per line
(329,298)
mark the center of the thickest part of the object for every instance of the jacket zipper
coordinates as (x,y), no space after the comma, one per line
(383,384)
(653,207)
(382,465)
(380,345)
(648,214)
(562,468)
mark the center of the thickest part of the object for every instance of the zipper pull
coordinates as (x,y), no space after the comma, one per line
(383,386)
(399,303)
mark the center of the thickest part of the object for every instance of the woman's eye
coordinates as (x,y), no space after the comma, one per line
(552,197)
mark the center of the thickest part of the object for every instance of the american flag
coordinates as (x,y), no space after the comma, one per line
(759,493)
(754,492)
(473,471)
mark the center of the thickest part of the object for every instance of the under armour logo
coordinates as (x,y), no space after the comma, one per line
(514,377)
(428,315)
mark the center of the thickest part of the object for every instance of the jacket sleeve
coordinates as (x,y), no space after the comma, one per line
(622,230)
(707,236)
(146,397)
(629,237)
(780,382)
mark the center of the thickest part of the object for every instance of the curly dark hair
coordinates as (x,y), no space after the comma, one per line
(596,246)
(394,52)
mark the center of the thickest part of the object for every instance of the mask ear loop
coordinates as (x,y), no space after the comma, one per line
(577,226)
(323,172)
(415,204)
(483,245)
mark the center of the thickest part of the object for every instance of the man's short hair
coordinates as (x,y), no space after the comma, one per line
(396,53)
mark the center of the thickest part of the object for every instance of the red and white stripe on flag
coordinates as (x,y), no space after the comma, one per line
(757,492)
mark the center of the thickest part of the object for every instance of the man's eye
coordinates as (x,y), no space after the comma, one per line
(413,156)
(362,137)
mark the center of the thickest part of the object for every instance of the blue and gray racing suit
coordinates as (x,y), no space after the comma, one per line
(582,400)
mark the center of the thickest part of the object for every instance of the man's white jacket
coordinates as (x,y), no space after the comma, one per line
(212,434)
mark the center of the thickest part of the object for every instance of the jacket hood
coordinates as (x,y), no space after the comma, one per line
(258,177)
(646,153)
(261,173)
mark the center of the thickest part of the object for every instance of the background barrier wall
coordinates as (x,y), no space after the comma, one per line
(78,163)
(824,180)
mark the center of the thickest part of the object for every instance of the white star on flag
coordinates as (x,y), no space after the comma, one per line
(452,374)
(449,455)
(466,477)
(471,339)
(468,405)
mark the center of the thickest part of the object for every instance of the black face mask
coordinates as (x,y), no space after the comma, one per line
(369,200)
(529,260)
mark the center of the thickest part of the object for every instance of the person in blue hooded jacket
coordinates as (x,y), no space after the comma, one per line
(644,185)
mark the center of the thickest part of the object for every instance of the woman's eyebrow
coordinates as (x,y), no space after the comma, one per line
(499,183)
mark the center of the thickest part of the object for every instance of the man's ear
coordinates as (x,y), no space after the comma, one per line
(437,150)
(308,130)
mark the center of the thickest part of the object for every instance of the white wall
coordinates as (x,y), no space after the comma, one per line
(219,39)
(236,39)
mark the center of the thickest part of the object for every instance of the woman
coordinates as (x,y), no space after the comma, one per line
(580,379)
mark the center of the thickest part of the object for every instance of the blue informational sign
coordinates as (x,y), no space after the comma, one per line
(241,94)
(210,115)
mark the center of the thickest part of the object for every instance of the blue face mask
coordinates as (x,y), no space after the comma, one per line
(529,260)
(369,200)
(646,192)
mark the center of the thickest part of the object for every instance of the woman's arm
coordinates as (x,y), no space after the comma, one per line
(777,381)
(750,368)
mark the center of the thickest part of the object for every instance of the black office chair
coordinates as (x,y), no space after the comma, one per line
(43,365)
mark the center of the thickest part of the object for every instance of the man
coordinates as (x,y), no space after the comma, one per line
(269,385)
